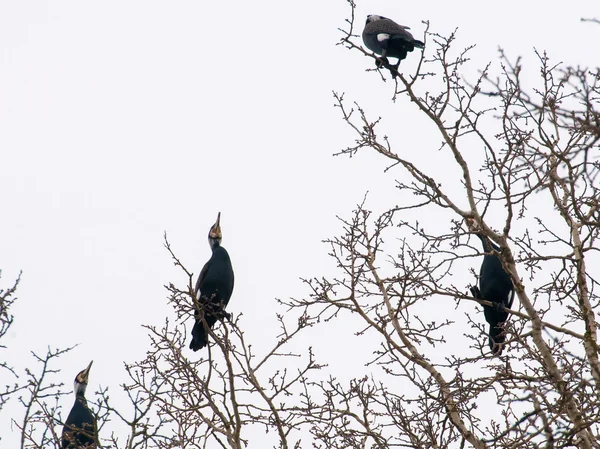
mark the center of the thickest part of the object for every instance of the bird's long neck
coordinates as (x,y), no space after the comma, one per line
(80,392)
(488,246)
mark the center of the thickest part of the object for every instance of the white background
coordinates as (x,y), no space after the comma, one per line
(120,120)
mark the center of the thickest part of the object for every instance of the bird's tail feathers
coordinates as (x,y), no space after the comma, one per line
(199,337)
(497,337)
(199,333)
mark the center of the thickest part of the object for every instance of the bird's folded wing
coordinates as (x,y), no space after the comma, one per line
(386,26)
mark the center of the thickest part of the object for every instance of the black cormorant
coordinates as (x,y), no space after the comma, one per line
(213,288)
(80,430)
(495,286)
(386,38)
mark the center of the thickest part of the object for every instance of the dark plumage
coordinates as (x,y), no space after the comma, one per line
(80,430)
(495,286)
(213,288)
(388,39)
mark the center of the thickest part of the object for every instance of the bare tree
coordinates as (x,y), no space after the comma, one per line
(226,395)
(523,166)
(7,299)
(538,153)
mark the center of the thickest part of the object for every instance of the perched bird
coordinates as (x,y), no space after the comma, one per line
(80,430)
(386,38)
(213,288)
(495,286)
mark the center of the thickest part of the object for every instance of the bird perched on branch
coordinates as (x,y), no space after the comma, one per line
(213,289)
(495,286)
(80,430)
(388,39)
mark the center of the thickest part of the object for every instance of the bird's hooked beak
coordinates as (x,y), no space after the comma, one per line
(215,231)
(85,374)
(472,225)
(214,235)
(81,380)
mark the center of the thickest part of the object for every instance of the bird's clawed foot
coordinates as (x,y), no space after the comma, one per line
(499,307)
(381,62)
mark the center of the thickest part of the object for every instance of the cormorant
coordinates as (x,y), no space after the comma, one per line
(495,286)
(386,38)
(213,288)
(80,430)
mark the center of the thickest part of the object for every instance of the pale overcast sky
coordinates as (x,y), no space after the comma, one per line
(120,120)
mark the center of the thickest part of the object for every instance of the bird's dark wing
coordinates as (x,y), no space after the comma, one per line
(200,279)
(81,427)
(475,292)
(404,36)
(385,26)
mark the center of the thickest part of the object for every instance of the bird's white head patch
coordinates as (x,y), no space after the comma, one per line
(374,18)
